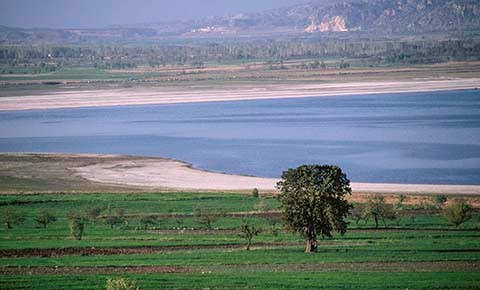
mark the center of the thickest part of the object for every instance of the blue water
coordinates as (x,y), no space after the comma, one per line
(405,138)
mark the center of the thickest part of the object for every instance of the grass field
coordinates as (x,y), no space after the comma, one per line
(237,74)
(423,252)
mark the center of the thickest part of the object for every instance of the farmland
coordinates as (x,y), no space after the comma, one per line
(418,250)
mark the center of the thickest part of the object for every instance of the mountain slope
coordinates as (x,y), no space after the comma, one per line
(362,15)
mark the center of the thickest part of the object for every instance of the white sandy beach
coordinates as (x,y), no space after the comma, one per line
(145,96)
(164,173)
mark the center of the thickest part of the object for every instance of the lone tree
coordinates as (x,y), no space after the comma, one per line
(45,217)
(76,223)
(207,216)
(378,209)
(458,213)
(313,201)
(11,216)
(248,232)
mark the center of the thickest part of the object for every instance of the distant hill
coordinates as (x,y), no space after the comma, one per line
(361,15)
(313,17)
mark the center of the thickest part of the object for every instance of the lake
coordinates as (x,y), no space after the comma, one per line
(401,138)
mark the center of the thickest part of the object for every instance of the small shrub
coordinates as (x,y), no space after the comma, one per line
(121,284)
(255,193)
(458,213)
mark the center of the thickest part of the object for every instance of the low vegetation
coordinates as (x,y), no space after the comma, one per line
(179,252)
(121,284)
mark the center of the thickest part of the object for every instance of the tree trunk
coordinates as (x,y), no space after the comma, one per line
(312,243)
(311,246)
(248,245)
(376,222)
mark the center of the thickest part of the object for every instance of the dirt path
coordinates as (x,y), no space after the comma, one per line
(434,266)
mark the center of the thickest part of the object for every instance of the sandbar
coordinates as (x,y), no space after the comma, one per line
(158,95)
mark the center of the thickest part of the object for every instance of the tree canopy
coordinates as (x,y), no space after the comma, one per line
(313,201)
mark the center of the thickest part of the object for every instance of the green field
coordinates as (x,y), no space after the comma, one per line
(423,252)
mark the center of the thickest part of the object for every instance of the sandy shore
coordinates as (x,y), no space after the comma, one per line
(164,173)
(145,96)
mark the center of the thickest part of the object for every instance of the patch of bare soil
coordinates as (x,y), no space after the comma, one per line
(434,266)
(90,270)
(124,251)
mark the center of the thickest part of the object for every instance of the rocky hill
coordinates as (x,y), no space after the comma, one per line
(360,15)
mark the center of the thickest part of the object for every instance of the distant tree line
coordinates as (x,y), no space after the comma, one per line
(196,54)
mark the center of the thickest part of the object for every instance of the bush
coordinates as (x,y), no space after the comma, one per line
(255,193)
(458,213)
(121,284)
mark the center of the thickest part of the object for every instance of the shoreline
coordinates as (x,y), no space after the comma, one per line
(176,174)
(158,96)
(160,174)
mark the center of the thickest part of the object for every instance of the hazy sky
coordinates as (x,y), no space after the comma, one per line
(95,13)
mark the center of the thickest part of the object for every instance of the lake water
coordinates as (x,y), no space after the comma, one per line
(403,138)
